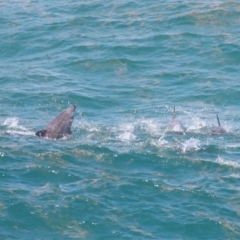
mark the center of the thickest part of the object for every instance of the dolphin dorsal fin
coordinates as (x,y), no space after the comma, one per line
(174,112)
(218,121)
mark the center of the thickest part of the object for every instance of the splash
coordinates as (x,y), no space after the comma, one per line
(127,136)
(13,127)
(126,133)
(160,143)
(11,122)
(151,126)
(196,125)
(191,144)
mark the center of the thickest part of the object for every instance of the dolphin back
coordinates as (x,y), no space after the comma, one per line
(60,126)
(218,130)
(175,125)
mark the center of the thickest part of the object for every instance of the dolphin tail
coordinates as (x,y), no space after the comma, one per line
(218,121)
(41,133)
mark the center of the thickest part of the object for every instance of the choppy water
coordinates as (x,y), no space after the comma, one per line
(125,64)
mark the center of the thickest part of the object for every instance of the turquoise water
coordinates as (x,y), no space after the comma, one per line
(125,65)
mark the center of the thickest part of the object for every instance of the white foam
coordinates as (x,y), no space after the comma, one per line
(190,145)
(127,127)
(196,125)
(150,126)
(126,132)
(232,145)
(11,122)
(161,142)
(15,128)
(27,133)
(127,136)
(85,125)
(230,163)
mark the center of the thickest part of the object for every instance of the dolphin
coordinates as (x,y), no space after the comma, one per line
(218,130)
(60,126)
(175,125)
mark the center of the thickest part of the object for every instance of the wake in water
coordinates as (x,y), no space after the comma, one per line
(138,134)
(142,134)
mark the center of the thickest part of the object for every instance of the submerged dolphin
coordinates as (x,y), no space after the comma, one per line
(60,126)
(218,130)
(175,125)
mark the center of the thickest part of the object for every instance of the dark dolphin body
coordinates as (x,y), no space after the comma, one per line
(175,125)
(218,130)
(60,126)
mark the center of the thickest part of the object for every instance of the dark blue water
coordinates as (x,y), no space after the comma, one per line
(125,65)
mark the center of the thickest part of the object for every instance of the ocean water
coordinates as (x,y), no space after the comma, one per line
(125,64)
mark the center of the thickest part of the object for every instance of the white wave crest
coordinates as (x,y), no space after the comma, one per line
(230,163)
